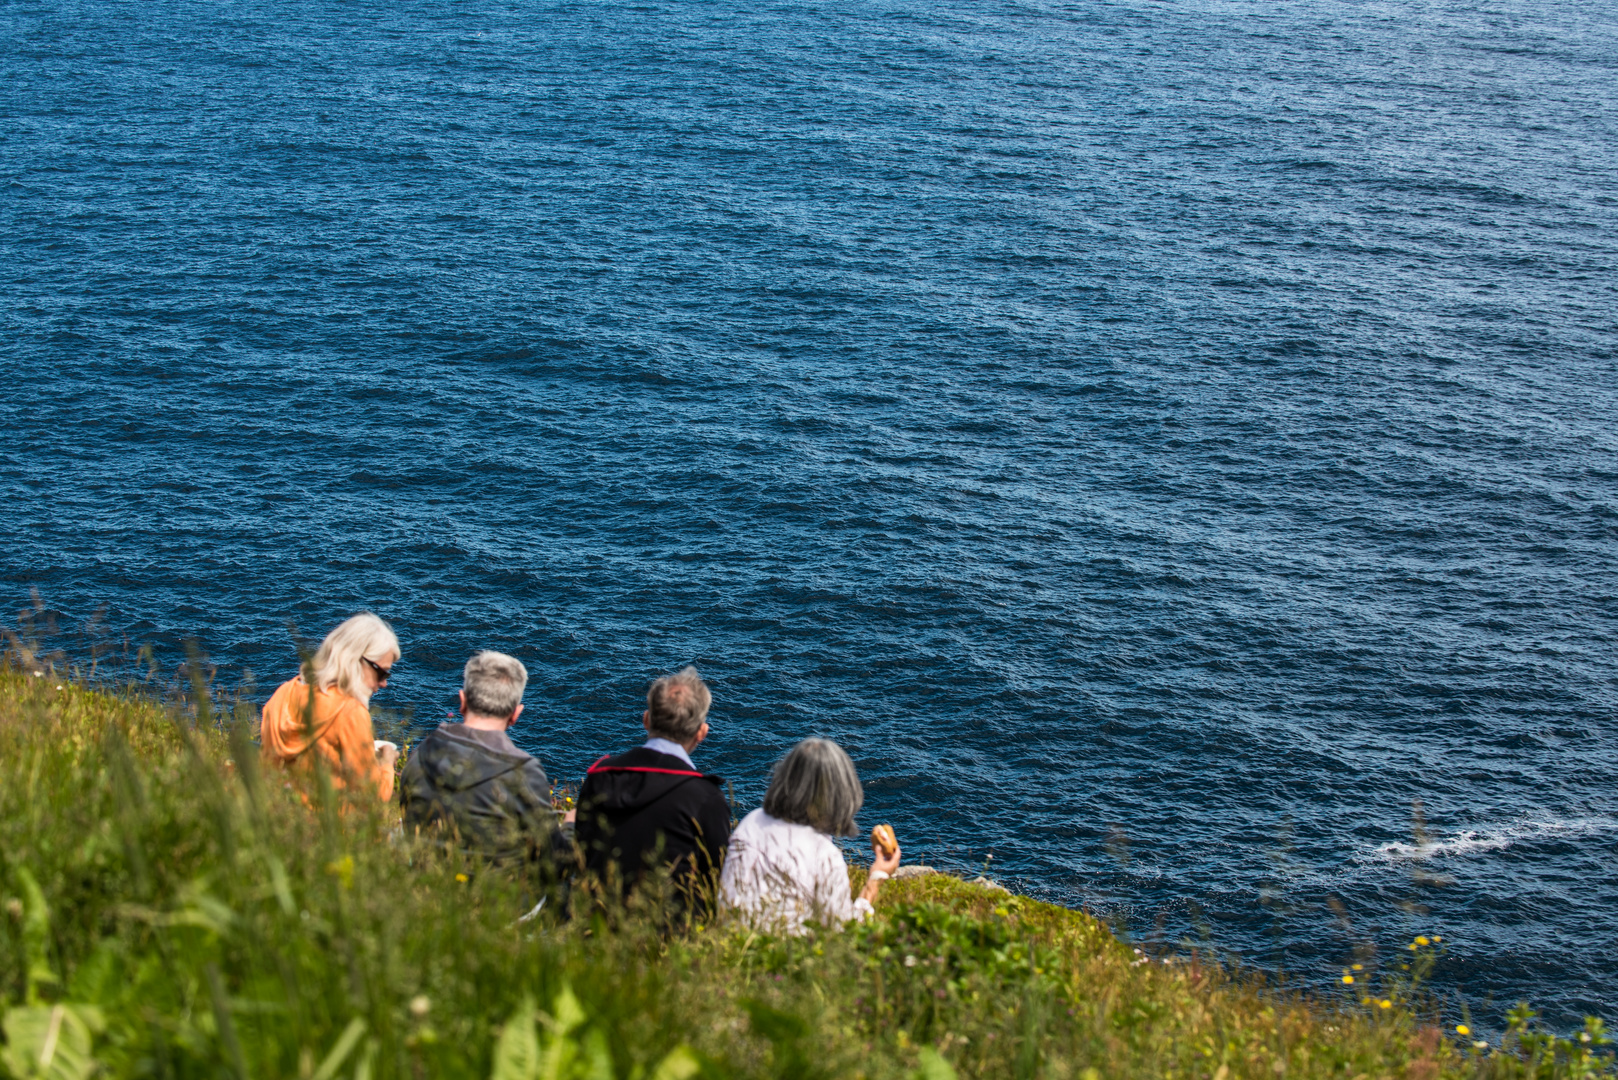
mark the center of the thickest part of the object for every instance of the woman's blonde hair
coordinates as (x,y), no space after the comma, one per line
(339,661)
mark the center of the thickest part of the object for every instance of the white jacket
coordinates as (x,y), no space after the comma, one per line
(778,876)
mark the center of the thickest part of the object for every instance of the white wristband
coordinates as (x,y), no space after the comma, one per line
(878,875)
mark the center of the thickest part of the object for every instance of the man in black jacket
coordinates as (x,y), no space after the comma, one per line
(651,810)
(470,781)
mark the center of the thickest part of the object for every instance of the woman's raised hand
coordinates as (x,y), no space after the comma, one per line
(884,849)
(884,861)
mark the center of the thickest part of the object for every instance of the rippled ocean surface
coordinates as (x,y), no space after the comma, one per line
(1162,441)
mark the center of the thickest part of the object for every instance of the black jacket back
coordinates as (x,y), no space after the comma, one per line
(481,788)
(643,807)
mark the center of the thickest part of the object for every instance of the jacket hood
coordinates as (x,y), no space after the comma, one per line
(294,718)
(454,762)
(638,778)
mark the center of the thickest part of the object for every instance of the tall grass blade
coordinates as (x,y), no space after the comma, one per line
(344,1046)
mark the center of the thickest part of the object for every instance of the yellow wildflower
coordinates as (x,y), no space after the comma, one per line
(343,870)
(1462,1029)
(1422,940)
(1385,1003)
(462,878)
(1349,979)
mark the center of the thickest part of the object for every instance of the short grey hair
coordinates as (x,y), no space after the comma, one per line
(677,705)
(493,684)
(816,785)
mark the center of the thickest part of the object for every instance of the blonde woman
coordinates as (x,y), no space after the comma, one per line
(332,717)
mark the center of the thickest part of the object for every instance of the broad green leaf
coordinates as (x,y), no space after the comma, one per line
(100,976)
(203,911)
(678,1064)
(597,1060)
(36,933)
(50,1042)
(933,1066)
(516,1055)
(569,1013)
(557,1060)
(560,1049)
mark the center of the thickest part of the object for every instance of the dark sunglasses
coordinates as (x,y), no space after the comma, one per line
(381,672)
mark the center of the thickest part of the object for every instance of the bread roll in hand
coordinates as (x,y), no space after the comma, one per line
(883,840)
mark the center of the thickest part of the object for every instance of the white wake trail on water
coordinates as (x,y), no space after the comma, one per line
(1496,838)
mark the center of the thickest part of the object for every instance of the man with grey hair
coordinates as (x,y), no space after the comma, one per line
(651,809)
(473,784)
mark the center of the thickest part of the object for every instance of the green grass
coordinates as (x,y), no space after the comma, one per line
(168,910)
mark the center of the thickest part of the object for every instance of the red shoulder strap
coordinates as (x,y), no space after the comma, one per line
(599,768)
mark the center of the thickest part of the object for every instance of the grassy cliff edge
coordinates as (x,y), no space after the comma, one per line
(168,910)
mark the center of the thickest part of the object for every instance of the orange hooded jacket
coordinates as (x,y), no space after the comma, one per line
(342,732)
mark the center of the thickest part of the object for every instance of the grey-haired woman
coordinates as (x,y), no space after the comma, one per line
(782,869)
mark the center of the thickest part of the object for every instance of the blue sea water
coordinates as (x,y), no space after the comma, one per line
(1162,441)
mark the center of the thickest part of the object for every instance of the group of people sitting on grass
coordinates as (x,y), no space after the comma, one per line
(646,815)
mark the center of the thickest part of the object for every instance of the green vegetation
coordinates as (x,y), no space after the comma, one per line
(168,910)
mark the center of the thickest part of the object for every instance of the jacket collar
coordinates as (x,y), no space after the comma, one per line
(669,748)
(645,760)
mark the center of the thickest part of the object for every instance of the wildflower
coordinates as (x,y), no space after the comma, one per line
(462,878)
(1359,967)
(343,870)
(1348,980)
(1385,1003)
(1437,939)
(419,1006)
(1462,1029)
(910,961)
(39,674)
(1480,1045)
(1422,940)
(1584,1036)
(58,686)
